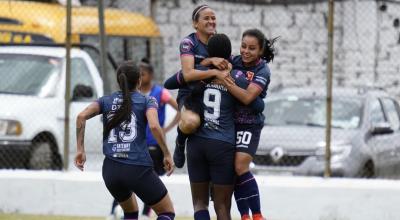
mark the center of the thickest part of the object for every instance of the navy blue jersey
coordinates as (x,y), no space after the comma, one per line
(191,46)
(257,105)
(126,143)
(218,106)
(258,75)
(176,81)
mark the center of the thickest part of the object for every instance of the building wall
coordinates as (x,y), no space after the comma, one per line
(302,48)
(367,41)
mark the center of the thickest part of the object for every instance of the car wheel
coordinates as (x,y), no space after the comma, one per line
(41,156)
(368,171)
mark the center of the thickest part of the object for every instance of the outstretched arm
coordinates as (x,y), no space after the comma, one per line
(89,112)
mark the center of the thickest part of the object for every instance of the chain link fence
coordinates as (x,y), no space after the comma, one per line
(365,114)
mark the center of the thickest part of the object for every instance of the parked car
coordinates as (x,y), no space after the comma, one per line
(365,133)
(32,91)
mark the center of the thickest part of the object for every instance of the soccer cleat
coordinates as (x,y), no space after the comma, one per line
(258,217)
(245,217)
(179,155)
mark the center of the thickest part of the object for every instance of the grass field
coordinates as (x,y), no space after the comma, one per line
(48,217)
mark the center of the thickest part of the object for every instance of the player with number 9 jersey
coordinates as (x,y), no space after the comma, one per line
(211,149)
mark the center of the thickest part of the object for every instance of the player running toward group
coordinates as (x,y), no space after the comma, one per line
(127,167)
(163,97)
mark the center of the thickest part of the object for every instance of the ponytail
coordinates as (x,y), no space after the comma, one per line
(269,50)
(127,77)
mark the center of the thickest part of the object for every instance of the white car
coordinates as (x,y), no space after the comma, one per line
(32,90)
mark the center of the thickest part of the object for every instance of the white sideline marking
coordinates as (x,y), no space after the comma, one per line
(266,181)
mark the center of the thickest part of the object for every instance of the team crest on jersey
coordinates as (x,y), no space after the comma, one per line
(250,75)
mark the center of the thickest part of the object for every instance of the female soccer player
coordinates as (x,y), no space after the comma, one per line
(193,49)
(211,148)
(127,167)
(163,97)
(255,52)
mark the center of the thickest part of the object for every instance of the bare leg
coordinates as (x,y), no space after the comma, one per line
(163,206)
(200,195)
(130,205)
(242,163)
(222,201)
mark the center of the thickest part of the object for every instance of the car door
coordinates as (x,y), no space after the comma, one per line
(83,92)
(391,110)
(378,143)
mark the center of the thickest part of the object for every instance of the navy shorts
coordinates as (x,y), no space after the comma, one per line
(124,179)
(158,157)
(210,160)
(248,138)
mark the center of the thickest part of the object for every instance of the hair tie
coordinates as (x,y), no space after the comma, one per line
(198,10)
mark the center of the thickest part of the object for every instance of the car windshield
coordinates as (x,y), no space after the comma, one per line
(27,74)
(346,112)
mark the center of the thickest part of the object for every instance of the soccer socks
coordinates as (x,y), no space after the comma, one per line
(131,215)
(146,210)
(241,201)
(254,198)
(202,215)
(247,194)
(166,216)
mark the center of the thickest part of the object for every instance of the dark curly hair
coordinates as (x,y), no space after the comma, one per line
(263,42)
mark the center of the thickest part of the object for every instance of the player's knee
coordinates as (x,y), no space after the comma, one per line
(164,205)
(241,167)
(189,122)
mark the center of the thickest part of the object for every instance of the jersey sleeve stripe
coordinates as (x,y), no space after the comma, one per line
(257,85)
